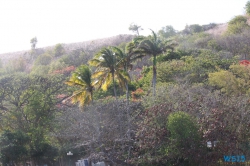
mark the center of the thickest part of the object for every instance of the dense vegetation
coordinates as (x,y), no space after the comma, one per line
(153,100)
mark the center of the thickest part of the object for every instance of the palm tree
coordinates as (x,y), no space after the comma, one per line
(108,69)
(82,78)
(153,46)
(127,56)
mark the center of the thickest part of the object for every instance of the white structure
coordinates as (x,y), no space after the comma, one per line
(100,164)
(69,154)
(83,162)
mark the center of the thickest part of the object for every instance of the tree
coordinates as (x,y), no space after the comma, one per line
(13,147)
(59,50)
(135,28)
(28,104)
(247,7)
(167,31)
(153,46)
(33,43)
(195,28)
(82,78)
(108,69)
(237,25)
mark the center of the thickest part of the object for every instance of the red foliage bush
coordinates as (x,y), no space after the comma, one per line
(245,62)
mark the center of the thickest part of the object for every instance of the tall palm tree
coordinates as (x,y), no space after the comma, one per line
(108,69)
(126,57)
(82,78)
(153,46)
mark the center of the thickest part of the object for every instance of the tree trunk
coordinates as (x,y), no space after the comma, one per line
(127,94)
(92,100)
(113,76)
(154,75)
(126,83)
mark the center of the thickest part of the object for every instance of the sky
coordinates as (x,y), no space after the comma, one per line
(70,21)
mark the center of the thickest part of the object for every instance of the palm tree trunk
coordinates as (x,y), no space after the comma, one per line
(127,95)
(92,100)
(154,75)
(126,83)
(113,76)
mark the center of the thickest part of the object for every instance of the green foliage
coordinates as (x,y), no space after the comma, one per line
(43,152)
(30,107)
(193,42)
(167,31)
(247,7)
(145,81)
(82,78)
(14,147)
(33,43)
(169,55)
(56,65)
(237,19)
(108,69)
(122,46)
(43,59)
(135,28)
(42,70)
(193,69)
(195,28)
(74,58)
(59,50)
(213,45)
(233,82)
(100,94)
(16,65)
(182,127)
(170,71)
(191,29)
(237,25)
(153,46)
(184,135)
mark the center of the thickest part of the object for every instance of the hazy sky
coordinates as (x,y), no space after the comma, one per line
(69,21)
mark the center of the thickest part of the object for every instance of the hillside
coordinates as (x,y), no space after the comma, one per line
(85,45)
(93,44)
(218,30)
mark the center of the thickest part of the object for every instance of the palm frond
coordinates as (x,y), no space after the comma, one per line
(108,81)
(81,97)
(118,52)
(123,78)
(94,62)
(138,39)
(73,83)
(154,35)
(100,73)
(82,78)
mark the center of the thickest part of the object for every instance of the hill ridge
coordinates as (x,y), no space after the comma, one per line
(89,45)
